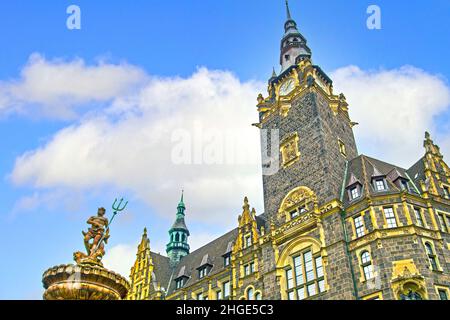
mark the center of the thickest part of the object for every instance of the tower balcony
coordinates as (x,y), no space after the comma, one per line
(177,245)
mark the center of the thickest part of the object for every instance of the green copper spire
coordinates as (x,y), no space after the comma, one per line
(178,246)
(181,207)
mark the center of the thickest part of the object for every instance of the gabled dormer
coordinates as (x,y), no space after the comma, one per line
(227,254)
(378,180)
(354,188)
(182,278)
(205,266)
(399,179)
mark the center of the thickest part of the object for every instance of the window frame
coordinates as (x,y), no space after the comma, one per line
(227,260)
(203,271)
(306,282)
(404,185)
(248,240)
(442,289)
(249,268)
(298,211)
(360,229)
(390,218)
(446,189)
(199,295)
(180,282)
(443,227)
(432,256)
(354,193)
(226,285)
(376,185)
(342,148)
(420,221)
(367,265)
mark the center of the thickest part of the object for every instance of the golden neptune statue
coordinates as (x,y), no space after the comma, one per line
(88,279)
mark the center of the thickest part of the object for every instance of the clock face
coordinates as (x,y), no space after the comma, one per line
(287,87)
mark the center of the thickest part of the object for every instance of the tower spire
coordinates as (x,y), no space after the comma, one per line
(178,246)
(288,11)
(293,44)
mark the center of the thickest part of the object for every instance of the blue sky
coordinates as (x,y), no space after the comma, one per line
(169,39)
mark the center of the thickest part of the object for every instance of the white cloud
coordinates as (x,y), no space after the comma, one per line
(394,108)
(54,88)
(129,146)
(120,258)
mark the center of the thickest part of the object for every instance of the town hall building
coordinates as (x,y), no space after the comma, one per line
(336,224)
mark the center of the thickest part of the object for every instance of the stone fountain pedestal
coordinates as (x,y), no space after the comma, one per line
(83,282)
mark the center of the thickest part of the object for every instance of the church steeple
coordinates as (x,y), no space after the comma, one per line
(293,44)
(178,246)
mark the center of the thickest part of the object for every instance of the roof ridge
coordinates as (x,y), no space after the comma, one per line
(363,165)
(383,162)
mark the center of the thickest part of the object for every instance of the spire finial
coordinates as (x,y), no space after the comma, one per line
(274,74)
(288,11)
(182,195)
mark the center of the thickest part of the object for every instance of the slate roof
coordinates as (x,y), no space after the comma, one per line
(180,224)
(417,171)
(213,252)
(210,254)
(363,169)
(161,270)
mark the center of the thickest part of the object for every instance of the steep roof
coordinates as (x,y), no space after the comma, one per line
(161,270)
(211,253)
(363,169)
(417,171)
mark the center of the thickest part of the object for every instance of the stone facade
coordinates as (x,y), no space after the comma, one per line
(337,225)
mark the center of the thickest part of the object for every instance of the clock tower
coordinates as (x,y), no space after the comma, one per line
(306,132)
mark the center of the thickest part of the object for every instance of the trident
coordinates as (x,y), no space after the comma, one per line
(116,209)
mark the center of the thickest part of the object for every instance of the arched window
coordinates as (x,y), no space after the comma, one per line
(183,237)
(258,296)
(431,256)
(177,237)
(305,278)
(250,294)
(366,264)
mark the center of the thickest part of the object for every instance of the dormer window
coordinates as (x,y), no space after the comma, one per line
(353,188)
(227,255)
(179,283)
(379,184)
(446,192)
(354,192)
(204,271)
(205,267)
(404,184)
(227,260)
